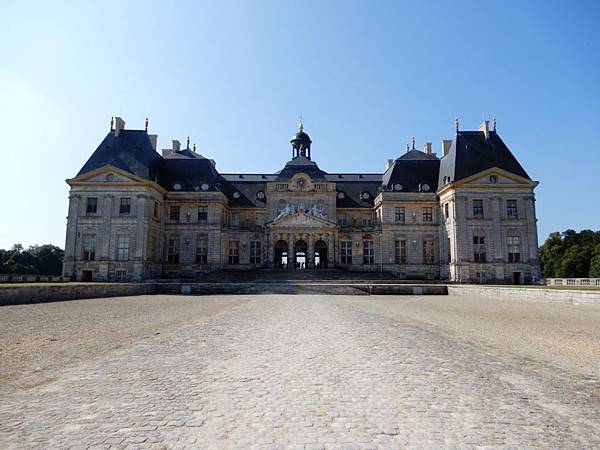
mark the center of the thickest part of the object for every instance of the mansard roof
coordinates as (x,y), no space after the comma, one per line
(472,153)
(130,151)
(412,171)
(301,164)
(189,173)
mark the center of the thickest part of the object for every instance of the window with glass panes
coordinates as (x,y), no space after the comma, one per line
(346,249)
(428,214)
(202,249)
(122,247)
(514,248)
(511,209)
(174,212)
(125,206)
(400,251)
(367,220)
(399,214)
(428,251)
(478,248)
(202,214)
(255,252)
(368,252)
(155,210)
(89,247)
(234,252)
(342,220)
(173,251)
(260,219)
(92,205)
(235,219)
(477,208)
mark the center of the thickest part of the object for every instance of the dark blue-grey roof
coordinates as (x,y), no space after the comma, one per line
(301,164)
(472,153)
(412,171)
(190,174)
(130,151)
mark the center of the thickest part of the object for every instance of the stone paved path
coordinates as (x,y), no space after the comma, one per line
(301,372)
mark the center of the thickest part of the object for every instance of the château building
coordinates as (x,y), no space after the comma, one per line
(465,216)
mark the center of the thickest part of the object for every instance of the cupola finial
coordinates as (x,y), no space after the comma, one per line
(413,143)
(188,143)
(456,123)
(194,147)
(407,148)
(301,122)
(112,123)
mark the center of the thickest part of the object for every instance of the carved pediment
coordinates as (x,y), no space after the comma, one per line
(301,220)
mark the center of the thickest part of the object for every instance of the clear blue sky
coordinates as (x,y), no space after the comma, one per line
(235,76)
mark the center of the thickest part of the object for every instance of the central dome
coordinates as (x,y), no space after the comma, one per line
(301,143)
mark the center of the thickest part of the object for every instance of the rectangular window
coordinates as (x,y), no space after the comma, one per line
(234,252)
(173,251)
(235,219)
(514,248)
(367,220)
(446,210)
(122,247)
(255,252)
(428,214)
(368,252)
(120,275)
(400,251)
(511,209)
(346,252)
(399,214)
(342,220)
(479,249)
(477,208)
(202,250)
(428,251)
(153,248)
(449,244)
(260,219)
(92,205)
(156,210)
(89,247)
(174,212)
(125,207)
(202,214)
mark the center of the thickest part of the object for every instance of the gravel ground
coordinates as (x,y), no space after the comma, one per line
(564,336)
(38,341)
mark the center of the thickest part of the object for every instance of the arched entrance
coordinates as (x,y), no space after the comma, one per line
(320,254)
(281,254)
(300,253)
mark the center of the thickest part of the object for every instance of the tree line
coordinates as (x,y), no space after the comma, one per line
(571,254)
(36,260)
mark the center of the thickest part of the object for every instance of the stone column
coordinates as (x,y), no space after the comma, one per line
(71,236)
(310,252)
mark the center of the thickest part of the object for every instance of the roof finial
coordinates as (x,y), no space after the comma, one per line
(112,123)
(413,143)
(188,143)
(494,124)
(194,147)
(301,124)
(407,148)
(456,123)
(146,124)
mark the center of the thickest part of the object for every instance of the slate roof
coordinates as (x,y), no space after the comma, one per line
(469,154)
(130,151)
(472,153)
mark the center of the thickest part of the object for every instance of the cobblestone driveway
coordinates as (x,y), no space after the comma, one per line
(301,372)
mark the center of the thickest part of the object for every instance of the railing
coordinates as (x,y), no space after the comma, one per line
(573,281)
(18,278)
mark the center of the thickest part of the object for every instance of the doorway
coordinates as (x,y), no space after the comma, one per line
(86,275)
(300,249)
(320,255)
(281,255)
(516,277)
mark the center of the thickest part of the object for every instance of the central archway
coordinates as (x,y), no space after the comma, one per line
(281,254)
(320,254)
(300,254)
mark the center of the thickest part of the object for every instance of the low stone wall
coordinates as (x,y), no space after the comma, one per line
(524,293)
(24,294)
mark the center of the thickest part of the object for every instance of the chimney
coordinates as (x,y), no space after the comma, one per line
(176,145)
(166,151)
(485,127)
(153,140)
(119,126)
(427,148)
(388,164)
(446,144)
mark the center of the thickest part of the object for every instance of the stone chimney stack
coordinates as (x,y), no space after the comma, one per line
(153,140)
(446,144)
(388,164)
(485,127)
(176,145)
(119,126)
(427,148)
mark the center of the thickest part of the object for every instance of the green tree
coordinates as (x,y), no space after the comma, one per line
(595,263)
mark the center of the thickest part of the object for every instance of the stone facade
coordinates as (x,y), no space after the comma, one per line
(136,215)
